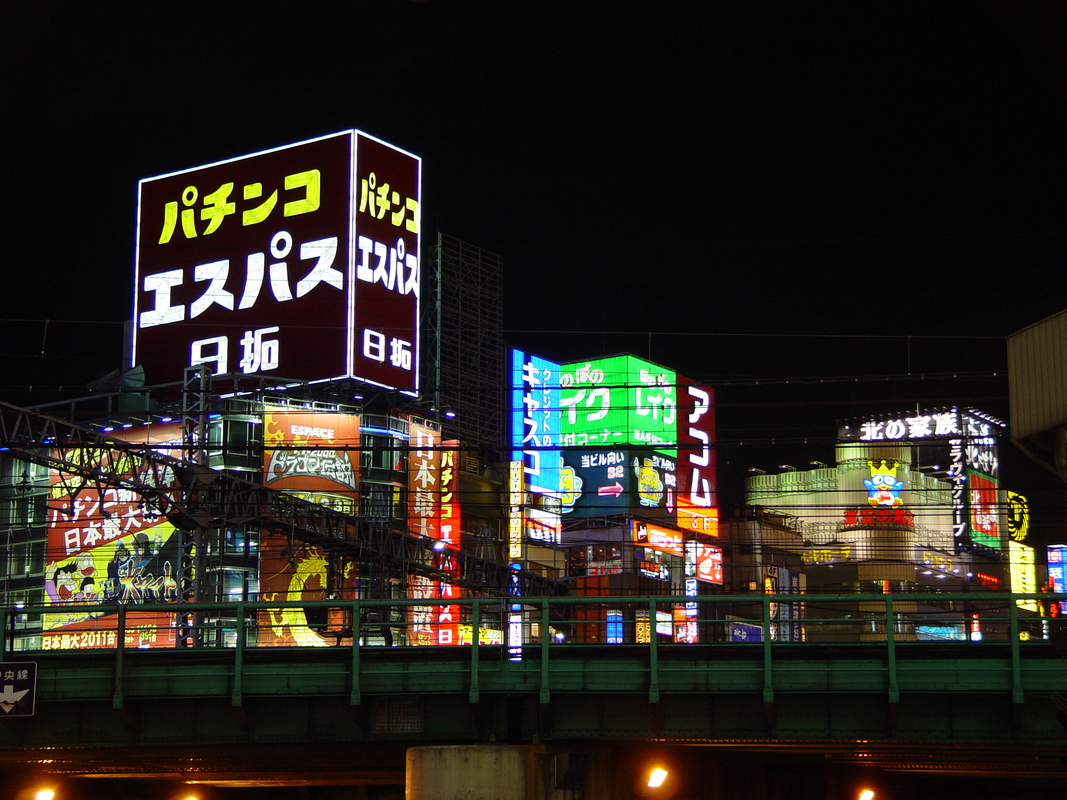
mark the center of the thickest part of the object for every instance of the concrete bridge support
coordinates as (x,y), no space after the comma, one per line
(475,772)
(534,772)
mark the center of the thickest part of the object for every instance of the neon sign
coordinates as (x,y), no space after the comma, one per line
(300,262)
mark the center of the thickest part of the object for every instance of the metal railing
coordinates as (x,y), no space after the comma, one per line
(658,639)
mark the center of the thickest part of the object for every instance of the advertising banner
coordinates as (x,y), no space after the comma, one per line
(597,481)
(984,525)
(618,401)
(1023,572)
(300,262)
(1057,572)
(424,481)
(107,545)
(298,572)
(313,455)
(656,537)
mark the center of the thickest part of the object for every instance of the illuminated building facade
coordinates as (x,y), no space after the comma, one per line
(612,482)
(914,504)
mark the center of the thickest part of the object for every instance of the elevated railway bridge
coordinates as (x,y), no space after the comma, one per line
(571,697)
(858,692)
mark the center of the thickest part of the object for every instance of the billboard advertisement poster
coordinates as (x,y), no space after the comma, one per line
(313,455)
(741,631)
(300,262)
(105,545)
(535,420)
(451,510)
(697,479)
(516,510)
(298,572)
(984,525)
(618,401)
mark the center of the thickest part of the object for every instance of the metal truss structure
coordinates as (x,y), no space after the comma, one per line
(197,499)
(467,348)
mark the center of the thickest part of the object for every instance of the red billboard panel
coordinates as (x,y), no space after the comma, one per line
(299,263)
(697,480)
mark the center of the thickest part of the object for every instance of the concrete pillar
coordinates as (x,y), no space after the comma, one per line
(475,772)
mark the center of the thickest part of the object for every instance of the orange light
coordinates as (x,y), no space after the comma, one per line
(656,779)
(866,794)
(45,794)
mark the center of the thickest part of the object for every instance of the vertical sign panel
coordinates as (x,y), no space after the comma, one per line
(388,272)
(424,481)
(535,421)
(697,480)
(516,511)
(1057,572)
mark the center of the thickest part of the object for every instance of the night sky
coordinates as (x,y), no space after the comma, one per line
(823,212)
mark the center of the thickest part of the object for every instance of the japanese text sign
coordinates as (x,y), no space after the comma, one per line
(617,401)
(299,263)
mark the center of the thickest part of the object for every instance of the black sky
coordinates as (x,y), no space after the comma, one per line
(743,191)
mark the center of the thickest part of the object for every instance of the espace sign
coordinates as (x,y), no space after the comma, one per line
(297,263)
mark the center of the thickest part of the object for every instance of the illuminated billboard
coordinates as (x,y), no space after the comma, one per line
(313,455)
(697,504)
(656,537)
(596,481)
(535,420)
(967,440)
(1023,573)
(984,526)
(424,481)
(617,402)
(300,262)
(1057,571)
(107,546)
(615,435)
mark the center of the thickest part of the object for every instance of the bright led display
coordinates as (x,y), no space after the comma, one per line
(618,401)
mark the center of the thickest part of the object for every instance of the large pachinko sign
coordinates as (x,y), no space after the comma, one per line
(300,263)
(313,455)
(105,545)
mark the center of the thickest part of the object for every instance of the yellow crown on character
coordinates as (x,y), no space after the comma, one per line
(883,467)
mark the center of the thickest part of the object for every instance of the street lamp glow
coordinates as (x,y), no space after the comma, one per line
(658,776)
(866,794)
(45,794)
